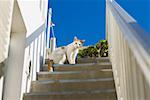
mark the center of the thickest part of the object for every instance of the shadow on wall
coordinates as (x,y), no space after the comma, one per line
(2,69)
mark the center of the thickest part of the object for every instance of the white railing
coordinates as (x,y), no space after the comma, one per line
(36,44)
(129,50)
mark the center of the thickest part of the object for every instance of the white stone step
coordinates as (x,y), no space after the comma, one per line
(80,67)
(108,94)
(72,85)
(101,73)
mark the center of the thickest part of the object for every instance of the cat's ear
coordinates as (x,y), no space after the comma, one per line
(75,38)
(82,41)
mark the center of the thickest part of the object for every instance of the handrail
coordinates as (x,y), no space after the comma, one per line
(129,49)
(140,45)
(35,34)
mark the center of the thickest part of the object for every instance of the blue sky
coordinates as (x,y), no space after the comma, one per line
(86,18)
(139,10)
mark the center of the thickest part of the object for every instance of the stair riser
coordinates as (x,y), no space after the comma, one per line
(82,75)
(71,86)
(89,60)
(82,68)
(96,96)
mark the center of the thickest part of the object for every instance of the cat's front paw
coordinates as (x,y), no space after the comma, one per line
(61,63)
(72,63)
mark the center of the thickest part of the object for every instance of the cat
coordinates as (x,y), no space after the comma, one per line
(69,52)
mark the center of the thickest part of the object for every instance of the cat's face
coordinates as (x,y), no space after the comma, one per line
(78,43)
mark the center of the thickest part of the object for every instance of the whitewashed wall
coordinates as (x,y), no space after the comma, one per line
(26,45)
(6,9)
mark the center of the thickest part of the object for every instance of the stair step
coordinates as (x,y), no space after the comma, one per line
(72,85)
(80,67)
(92,60)
(90,79)
(102,73)
(89,60)
(82,95)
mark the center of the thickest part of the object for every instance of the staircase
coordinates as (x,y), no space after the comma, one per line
(90,79)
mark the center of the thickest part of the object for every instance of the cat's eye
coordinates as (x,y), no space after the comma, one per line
(75,43)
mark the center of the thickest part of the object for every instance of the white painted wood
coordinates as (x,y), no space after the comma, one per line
(13,75)
(129,52)
(1,86)
(25,28)
(6,9)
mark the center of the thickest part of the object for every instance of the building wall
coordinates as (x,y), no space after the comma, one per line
(26,46)
(6,9)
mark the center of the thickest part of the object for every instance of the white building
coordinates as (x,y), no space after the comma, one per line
(22,44)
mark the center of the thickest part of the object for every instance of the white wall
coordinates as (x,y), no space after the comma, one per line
(14,62)
(6,9)
(12,89)
(26,45)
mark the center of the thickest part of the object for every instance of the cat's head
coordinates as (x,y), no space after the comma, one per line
(78,43)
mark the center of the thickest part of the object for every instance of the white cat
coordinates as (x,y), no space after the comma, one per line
(69,52)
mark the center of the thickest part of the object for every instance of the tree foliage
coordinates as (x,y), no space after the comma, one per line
(100,49)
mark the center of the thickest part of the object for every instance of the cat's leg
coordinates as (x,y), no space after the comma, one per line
(74,57)
(63,59)
(70,58)
(61,63)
